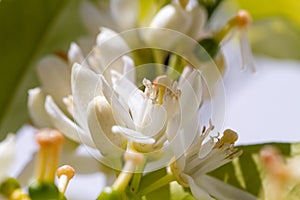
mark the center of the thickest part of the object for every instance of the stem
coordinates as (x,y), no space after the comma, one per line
(134,186)
(221,34)
(41,164)
(123,179)
(63,183)
(158,184)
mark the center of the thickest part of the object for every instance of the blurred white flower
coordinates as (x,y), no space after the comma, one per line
(7,155)
(281,177)
(188,20)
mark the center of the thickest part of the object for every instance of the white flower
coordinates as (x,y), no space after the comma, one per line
(149,112)
(201,157)
(77,113)
(188,20)
(7,155)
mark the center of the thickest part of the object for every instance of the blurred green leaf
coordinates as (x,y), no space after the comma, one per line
(29,30)
(265,8)
(246,171)
(276,28)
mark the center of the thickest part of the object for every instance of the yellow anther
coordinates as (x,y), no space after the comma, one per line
(66,170)
(229,137)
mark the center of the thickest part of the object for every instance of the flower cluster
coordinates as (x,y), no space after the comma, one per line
(96,95)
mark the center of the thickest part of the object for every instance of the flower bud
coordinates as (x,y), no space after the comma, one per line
(169,17)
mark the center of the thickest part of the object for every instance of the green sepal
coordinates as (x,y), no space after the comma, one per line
(44,191)
(8,186)
(211,46)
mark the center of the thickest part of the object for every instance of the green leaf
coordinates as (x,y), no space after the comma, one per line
(276,28)
(29,30)
(246,171)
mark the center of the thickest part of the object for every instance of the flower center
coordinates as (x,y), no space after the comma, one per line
(161,88)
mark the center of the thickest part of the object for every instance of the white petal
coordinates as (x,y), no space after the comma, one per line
(86,85)
(125,12)
(94,18)
(190,131)
(198,192)
(75,54)
(222,190)
(247,57)
(121,113)
(172,17)
(7,154)
(124,87)
(191,95)
(100,121)
(111,46)
(174,138)
(153,120)
(129,68)
(137,104)
(199,17)
(67,126)
(133,135)
(36,108)
(54,75)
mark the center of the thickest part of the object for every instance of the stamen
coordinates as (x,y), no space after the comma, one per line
(229,137)
(64,174)
(241,22)
(50,142)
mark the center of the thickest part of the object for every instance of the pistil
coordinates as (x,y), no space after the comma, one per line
(50,142)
